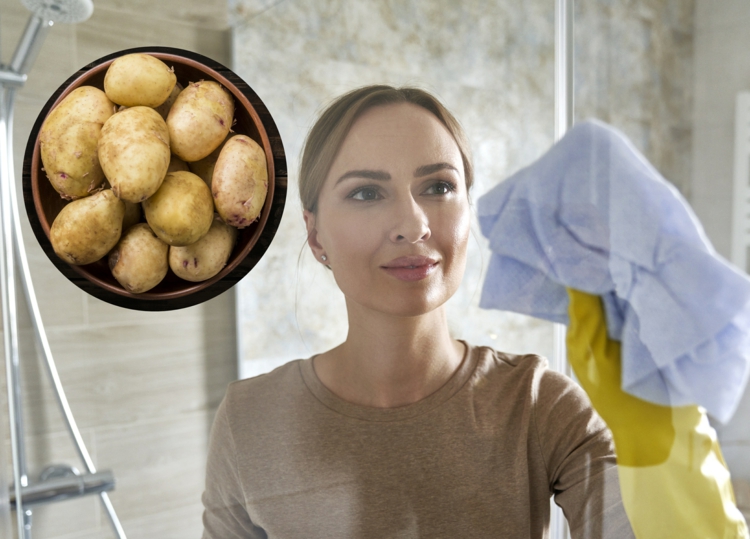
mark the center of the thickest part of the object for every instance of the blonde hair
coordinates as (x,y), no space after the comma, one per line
(327,135)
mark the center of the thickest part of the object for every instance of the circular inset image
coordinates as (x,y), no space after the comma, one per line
(251,119)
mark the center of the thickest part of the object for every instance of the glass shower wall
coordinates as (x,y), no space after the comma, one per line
(492,63)
(719,174)
(667,73)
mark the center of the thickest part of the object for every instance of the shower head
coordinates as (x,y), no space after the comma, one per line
(70,11)
(44,14)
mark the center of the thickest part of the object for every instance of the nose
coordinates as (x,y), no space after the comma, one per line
(410,222)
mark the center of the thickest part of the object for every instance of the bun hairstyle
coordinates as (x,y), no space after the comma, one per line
(327,135)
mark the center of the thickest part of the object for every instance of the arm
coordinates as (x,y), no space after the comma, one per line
(225,515)
(674,480)
(579,455)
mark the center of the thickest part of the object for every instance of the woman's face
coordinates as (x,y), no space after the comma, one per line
(393,214)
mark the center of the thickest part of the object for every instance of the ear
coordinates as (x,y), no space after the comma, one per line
(312,234)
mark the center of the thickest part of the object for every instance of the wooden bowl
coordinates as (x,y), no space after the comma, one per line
(43,203)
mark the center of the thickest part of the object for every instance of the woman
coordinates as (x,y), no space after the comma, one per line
(402,431)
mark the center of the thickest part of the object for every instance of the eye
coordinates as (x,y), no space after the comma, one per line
(441,187)
(365,193)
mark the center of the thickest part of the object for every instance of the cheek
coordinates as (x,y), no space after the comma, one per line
(457,230)
(349,238)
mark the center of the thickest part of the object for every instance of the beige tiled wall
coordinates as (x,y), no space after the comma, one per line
(142,386)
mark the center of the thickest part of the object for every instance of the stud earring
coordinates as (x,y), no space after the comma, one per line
(324,258)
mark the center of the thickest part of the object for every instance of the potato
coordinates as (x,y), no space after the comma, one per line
(207,256)
(181,211)
(139,261)
(175,164)
(68,142)
(86,229)
(163,109)
(134,152)
(200,120)
(205,167)
(139,79)
(240,181)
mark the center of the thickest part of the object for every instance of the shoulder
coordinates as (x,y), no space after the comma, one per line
(524,383)
(530,371)
(260,394)
(526,375)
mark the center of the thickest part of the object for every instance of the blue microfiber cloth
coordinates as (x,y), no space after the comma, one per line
(594,215)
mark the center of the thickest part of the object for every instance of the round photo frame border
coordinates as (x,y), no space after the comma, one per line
(243,267)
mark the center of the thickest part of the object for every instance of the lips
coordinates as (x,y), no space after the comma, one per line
(410,268)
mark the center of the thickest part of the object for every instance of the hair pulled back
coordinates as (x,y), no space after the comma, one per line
(327,135)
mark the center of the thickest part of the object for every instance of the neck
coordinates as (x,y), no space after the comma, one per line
(388,361)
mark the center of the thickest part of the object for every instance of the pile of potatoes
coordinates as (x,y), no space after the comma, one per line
(145,147)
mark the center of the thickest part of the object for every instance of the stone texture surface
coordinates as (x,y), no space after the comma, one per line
(492,64)
(634,69)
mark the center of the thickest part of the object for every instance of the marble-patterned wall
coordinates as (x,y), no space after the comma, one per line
(634,69)
(492,63)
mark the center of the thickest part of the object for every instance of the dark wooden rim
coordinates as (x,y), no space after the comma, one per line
(191,294)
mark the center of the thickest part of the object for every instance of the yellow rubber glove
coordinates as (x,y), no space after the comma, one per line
(673,478)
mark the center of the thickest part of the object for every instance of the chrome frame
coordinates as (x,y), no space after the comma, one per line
(564,113)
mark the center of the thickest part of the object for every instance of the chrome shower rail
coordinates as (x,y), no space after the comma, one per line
(13,254)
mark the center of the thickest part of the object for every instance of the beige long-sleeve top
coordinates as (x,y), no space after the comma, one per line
(478,458)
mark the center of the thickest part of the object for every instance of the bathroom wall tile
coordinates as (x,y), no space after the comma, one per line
(713,164)
(715,214)
(206,14)
(737,456)
(103,314)
(111,30)
(89,534)
(61,303)
(722,71)
(738,429)
(219,309)
(159,464)
(179,523)
(721,16)
(129,373)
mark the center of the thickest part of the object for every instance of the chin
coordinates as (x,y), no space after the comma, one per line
(408,304)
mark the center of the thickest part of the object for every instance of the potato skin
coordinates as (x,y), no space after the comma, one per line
(139,261)
(181,211)
(86,229)
(134,152)
(206,257)
(68,142)
(199,120)
(139,79)
(240,181)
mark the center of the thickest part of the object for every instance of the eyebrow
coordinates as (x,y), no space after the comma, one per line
(426,170)
(368,174)
(381,175)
